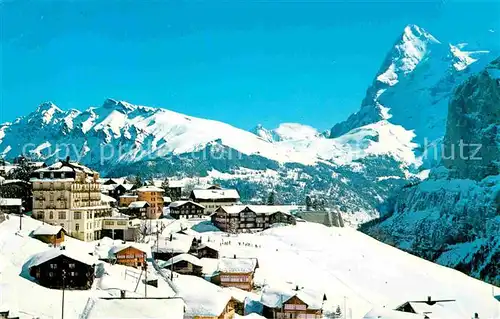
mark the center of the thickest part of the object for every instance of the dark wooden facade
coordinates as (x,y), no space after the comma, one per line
(206,252)
(131,257)
(187,210)
(54,239)
(292,308)
(248,220)
(175,193)
(186,268)
(78,275)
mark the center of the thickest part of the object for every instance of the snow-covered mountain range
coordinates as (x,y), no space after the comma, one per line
(355,168)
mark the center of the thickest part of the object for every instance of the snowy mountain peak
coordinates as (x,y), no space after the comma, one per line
(406,54)
(121,106)
(287,132)
(46,112)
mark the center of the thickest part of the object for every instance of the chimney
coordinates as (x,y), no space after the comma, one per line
(122,294)
(296,287)
(476,315)
(234,256)
(67,159)
(171,237)
(429,300)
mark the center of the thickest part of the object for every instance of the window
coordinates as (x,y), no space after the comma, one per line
(73,274)
(51,215)
(77,227)
(51,274)
(71,266)
(53,266)
(62,215)
(78,215)
(63,175)
(41,175)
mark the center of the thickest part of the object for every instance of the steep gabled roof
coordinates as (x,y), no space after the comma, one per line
(52,253)
(47,229)
(237,265)
(215,194)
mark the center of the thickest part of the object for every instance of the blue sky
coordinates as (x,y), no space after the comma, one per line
(240,62)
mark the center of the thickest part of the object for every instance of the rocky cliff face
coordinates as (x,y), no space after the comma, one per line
(473,130)
(453,217)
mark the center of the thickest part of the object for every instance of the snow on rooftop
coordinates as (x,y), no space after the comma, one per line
(138,204)
(133,308)
(183,257)
(180,243)
(201,297)
(10,201)
(237,265)
(274,297)
(47,229)
(258,209)
(182,202)
(150,189)
(107,199)
(52,253)
(384,313)
(129,196)
(215,194)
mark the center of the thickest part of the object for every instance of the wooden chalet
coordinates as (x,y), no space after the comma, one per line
(185,264)
(58,268)
(185,209)
(138,209)
(120,189)
(50,234)
(236,272)
(247,218)
(11,205)
(205,251)
(173,245)
(17,188)
(292,303)
(132,255)
(445,308)
(125,200)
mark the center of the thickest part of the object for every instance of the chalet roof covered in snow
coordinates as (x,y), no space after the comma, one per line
(180,243)
(183,257)
(150,189)
(201,297)
(138,204)
(10,202)
(275,297)
(182,202)
(50,254)
(441,310)
(47,229)
(167,199)
(237,265)
(171,308)
(258,209)
(63,166)
(107,199)
(117,248)
(215,194)
(379,312)
(115,180)
(128,196)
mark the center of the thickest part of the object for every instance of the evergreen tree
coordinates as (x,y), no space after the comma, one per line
(271,199)
(138,181)
(166,186)
(308,202)
(338,312)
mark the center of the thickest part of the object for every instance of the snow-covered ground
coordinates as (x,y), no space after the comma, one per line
(345,264)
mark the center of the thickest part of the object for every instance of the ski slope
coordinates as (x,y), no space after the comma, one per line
(345,264)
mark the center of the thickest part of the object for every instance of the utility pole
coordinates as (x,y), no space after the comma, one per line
(63,283)
(145,277)
(21,217)
(345,313)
